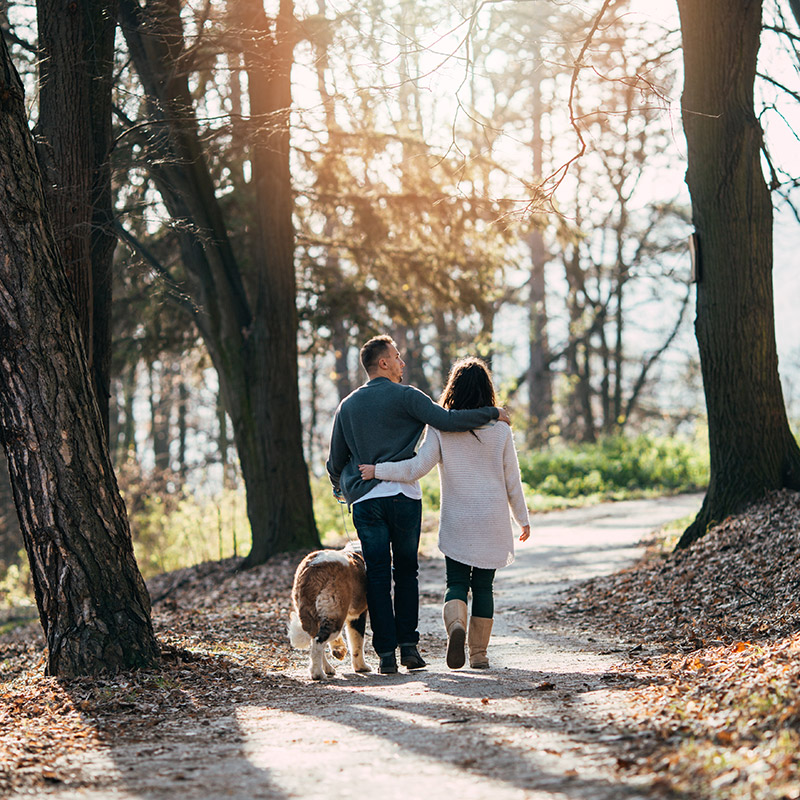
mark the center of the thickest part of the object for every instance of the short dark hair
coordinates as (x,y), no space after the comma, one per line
(469,385)
(374,350)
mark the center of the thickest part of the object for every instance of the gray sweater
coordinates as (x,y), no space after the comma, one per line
(382,421)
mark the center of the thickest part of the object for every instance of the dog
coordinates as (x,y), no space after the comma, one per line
(330,593)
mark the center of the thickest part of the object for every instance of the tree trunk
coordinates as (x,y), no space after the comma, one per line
(223,445)
(540,379)
(92,601)
(751,446)
(608,422)
(129,425)
(183,426)
(252,340)
(10,535)
(411,349)
(619,321)
(74,136)
(585,390)
(122,426)
(160,408)
(341,347)
(274,453)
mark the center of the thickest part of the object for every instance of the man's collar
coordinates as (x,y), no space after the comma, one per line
(377,378)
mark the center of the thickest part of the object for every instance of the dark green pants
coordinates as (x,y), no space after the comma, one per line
(462,578)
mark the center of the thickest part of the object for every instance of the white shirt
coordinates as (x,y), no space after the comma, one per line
(391,488)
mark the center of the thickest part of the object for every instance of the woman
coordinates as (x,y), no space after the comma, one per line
(479,478)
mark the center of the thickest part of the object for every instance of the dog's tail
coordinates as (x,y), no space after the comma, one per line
(327,627)
(297,636)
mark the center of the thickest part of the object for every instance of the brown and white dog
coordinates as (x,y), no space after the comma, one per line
(329,594)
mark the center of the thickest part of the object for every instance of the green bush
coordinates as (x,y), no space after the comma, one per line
(16,585)
(178,532)
(616,467)
(328,513)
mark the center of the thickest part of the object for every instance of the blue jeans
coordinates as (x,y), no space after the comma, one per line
(388,528)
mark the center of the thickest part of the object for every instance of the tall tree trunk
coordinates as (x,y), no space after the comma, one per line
(411,349)
(92,601)
(274,453)
(129,424)
(608,422)
(341,347)
(252,340)
(751,445)
(540,379)
(585,390)
(619,322)
(576,335)
(223,446)
(183,425)
(160,408)
(10,535)
(74,135)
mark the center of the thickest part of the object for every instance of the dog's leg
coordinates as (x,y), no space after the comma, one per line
(355,639)
(338,646)
(326,665)
(317,661)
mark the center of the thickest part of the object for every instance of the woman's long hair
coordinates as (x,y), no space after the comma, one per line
(469,385)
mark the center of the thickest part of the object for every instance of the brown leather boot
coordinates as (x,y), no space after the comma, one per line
(454,615)
(480,630)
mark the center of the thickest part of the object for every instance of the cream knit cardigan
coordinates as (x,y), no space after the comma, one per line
(479,480)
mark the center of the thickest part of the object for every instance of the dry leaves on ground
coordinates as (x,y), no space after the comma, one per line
(223,639)
(720,717)
(717,711)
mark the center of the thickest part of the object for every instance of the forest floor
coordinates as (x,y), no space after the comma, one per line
(617,672)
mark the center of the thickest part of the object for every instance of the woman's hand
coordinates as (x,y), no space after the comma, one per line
(526,532)
(367,471)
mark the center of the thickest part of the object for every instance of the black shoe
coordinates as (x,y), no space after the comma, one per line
(388,665)
(410,657)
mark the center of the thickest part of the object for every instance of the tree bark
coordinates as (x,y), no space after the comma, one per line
(751,446)
(74,137)
(272,345)
(252,340)
(540,379)
(92,601)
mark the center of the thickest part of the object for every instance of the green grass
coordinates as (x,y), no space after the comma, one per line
(174,534)
(615,468)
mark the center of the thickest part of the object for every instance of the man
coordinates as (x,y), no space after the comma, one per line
(383,421)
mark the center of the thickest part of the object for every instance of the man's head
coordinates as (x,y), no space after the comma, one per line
(381,358)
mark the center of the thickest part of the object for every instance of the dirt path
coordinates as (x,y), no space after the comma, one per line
(547,721)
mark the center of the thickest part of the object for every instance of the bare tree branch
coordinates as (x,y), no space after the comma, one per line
(175,291)
(640,381)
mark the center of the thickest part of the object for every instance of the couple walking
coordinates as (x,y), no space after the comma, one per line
(372,464)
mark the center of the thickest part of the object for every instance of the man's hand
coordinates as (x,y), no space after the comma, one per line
(526,532)
(502,415)
(367,471)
